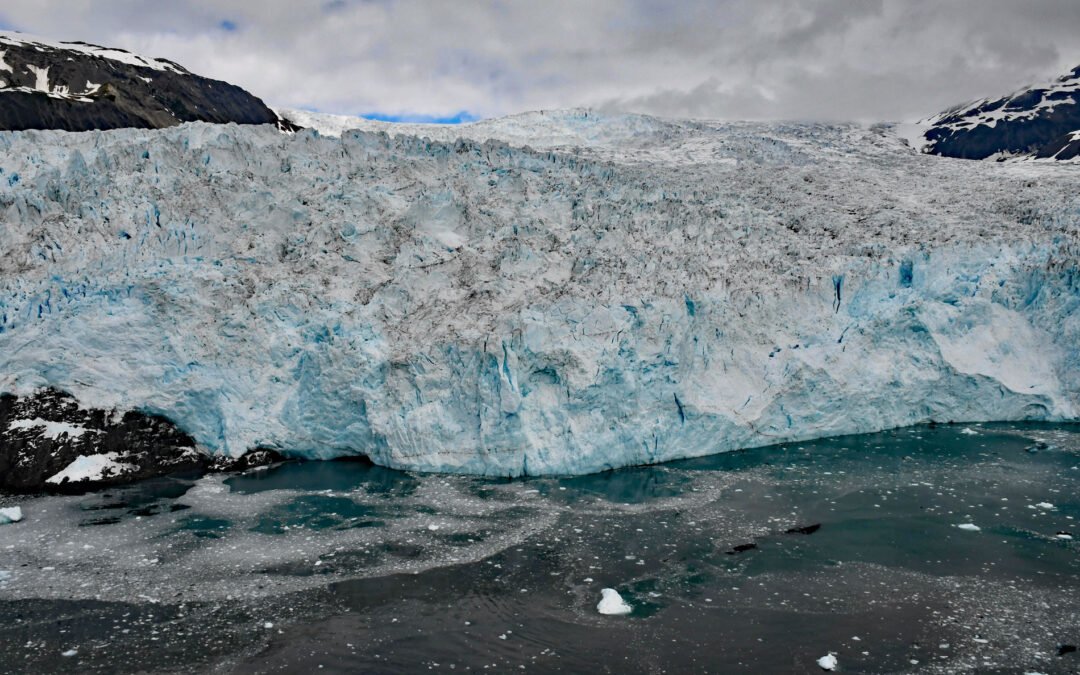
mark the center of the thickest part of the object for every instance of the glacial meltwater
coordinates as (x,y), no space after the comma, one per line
(947,549)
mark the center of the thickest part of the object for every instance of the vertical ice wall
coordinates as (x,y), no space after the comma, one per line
(479,307)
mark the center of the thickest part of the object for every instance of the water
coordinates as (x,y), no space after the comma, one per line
(757,561)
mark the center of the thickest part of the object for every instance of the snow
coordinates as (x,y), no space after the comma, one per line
(51,430)
(612,603)
(41,78)
(558,293)
(91,468)
(41,85)
(12,514)
(1030,103)
(40,43)
(969,527)
(914,134)
(827,662)
(970,113)
(4,65)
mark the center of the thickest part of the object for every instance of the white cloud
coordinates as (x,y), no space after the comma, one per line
(793,59)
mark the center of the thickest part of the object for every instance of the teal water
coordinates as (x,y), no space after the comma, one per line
(756,561)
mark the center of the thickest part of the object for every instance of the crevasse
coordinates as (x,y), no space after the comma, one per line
(643,291)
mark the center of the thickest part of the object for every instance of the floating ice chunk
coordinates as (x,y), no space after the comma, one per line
(90,468)
(1065,536)
(968,431)
(10,515)
(969,527)
(4,576)
(827,662)
(433,527)
(612,603)
(268,625)
(69,653)
(1045,505)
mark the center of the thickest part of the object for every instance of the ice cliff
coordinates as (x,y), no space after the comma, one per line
(626,290)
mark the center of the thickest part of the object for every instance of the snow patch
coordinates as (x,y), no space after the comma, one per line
(52,430)
(92,468)
(41,78)
(913,134)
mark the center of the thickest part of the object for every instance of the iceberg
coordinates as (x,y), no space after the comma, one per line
(554,293)
(612,603)
(10,515)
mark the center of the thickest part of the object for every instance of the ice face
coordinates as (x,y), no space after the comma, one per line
(658,290)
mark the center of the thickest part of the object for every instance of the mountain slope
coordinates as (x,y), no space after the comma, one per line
(1040,121)
(74,86)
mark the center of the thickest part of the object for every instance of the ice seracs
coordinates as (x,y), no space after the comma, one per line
(612,603)
(553,293)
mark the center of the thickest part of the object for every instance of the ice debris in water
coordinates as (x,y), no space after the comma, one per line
(612,603)
(828,662)
(968,431)
(1045,505)
(10,515)
(969,527)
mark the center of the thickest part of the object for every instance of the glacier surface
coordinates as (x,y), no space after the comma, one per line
(552,293)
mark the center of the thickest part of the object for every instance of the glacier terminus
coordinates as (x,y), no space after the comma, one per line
(551,293)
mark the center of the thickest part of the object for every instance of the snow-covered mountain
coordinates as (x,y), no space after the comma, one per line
(76,86)
(590,292)
(1038,122)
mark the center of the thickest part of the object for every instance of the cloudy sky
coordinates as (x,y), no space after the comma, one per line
(733,59)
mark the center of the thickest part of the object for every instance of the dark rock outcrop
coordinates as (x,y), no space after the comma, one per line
(1042,122)
(76,86)
(42,437)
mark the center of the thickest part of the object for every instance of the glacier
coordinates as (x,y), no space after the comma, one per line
(553,293)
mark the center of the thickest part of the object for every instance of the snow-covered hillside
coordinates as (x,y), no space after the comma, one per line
(77,86)
(623,290)
(1040,122)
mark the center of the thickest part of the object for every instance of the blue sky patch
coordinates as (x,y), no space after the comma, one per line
(228,26)
(457,118)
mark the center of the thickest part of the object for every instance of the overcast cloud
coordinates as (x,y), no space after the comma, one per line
(754,59)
